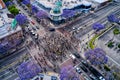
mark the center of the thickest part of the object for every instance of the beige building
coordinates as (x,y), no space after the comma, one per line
(2,5)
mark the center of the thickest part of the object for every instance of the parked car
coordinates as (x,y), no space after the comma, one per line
(92,77)
(41,76)
(101,78)
(72,56)
(85,63)
(78,70)
(53,78)
(51,29)
(34,28)
(37,27)
(76,55)
(96,73)
(32,22)
(83,68)
(36,36)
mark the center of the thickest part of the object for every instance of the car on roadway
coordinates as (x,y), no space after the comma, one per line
(72,56)
(41,76)
(36,36)
(29,29)
(32,32)
(97,74)
(92,77)
(83,68)
(101,78)
(76,55)
(85,63)
(34,28)
(85,77)
(37,27)
(78,70)
(53,78)
(51,29)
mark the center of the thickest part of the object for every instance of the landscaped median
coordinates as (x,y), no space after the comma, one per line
(92,41)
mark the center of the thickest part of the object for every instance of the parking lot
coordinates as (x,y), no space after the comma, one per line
(114,52)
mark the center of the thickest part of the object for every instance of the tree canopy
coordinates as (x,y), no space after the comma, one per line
(98,26)
(8,3)
(41,14)
(26,2)
(28,70)
(13,9)
(34,9)
(96,56)
(68,13)
(112,18)
(67,73)
(21,19)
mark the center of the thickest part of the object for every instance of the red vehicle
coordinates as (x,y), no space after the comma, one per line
(33,22)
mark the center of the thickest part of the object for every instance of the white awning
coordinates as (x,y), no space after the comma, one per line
(100,1)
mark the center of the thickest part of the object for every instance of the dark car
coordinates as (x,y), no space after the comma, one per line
(83,68)
(76,55)
(37,27)
(34,28)
(41,76)
(85,63)
(51,29)
(96,73)
(92,77)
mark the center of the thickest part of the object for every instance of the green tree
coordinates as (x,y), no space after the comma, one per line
(119,45)
(13,10)
(116,31)
(7,0)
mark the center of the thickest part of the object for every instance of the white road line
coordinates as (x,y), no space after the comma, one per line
(113,60)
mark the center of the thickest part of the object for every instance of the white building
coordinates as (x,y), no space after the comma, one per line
(9,37)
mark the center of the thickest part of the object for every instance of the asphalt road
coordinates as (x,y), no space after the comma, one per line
(86,22)
(9,63)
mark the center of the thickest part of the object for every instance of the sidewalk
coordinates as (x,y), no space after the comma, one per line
(53,74)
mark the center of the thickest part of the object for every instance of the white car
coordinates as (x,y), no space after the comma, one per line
(72,56)
(78,70)
(101,78)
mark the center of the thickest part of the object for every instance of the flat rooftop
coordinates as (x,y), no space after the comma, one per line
(2,5)
(5,24)
(67,4)
(100,1)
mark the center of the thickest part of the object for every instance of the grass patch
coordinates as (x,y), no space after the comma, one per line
(92,42)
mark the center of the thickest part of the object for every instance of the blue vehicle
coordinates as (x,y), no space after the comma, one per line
(53,78)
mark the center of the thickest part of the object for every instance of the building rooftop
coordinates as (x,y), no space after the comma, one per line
(100,1)
(47,76)
(5,24)
(65,4)
(2,5)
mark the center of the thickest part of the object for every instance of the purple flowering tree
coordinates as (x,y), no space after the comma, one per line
(26,2)
(113,18)
(41,14)
(98,26)
(28,70)
(68,13)
(96,56)
(34,9)
(67,73)
(21,19)
(8,3)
